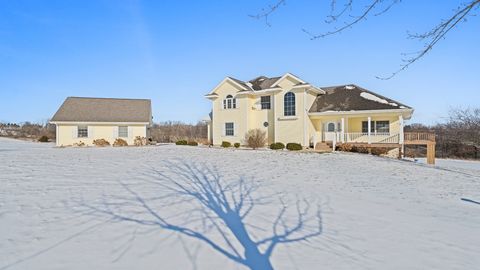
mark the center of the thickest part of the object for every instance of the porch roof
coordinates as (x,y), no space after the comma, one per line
(346,98)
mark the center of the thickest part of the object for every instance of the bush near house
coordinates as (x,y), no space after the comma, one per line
(378,151)
(181,142)
(277,146)
(360,149)
(345,147)
(226,144)
(43,139)
(236,145)
(79,144)
(294,146)
(193,143)
(255,138)
(120,142)
(140,141)
(101,142)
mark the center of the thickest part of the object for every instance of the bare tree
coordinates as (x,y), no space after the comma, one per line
(215,212)
(255,138)
(347,14)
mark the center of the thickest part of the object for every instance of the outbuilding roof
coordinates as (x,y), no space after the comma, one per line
(352,98)
(85,109)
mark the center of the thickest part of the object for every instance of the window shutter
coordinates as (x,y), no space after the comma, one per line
(130,132)
(90,132)
(234,131)
(75,132)
(115,132)
(224,129)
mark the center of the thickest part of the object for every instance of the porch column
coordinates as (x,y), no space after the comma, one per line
(401,136)
(369,128)
(342,132)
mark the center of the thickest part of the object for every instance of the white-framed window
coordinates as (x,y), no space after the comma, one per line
(123,132)
(82,131)
(229,129)
(289,104)
(265,102)
(230,102)
(376,126)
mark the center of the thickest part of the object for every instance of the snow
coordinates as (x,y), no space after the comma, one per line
(372,97)
(377,213)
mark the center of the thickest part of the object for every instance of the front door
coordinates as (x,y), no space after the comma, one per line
(329,131)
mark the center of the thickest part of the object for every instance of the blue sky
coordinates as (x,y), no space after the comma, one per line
(174,52)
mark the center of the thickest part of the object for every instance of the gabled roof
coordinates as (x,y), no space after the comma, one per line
(262,82)
(352,98)
(82,109)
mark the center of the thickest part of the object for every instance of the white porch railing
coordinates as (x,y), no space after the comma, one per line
(360,137)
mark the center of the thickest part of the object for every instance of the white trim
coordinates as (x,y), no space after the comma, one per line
(410,111)
(287,118)
(224,81)
(99,123)
(342,132)
(288,74)
(304,109)
(274,119)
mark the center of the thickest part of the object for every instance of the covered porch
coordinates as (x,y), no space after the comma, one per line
(358,129)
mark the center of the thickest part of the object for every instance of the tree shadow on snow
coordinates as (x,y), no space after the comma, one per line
(195,201)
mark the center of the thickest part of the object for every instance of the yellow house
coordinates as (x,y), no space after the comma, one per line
(82,120)
(290,109)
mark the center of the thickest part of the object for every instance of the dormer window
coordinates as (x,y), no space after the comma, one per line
(230,102)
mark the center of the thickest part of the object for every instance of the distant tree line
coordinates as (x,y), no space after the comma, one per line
(165,132)
(27,130)
(172,131)
(459,137)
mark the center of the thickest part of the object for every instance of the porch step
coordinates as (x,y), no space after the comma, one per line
(323,147)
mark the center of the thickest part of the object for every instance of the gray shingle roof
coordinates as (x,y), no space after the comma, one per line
(258,83)
(353,98)
(81,109)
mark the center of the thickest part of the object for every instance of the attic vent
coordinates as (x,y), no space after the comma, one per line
(349,87)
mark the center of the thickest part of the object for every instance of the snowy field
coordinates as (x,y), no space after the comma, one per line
(376,213)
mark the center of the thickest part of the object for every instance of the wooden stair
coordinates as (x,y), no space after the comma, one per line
(323,147)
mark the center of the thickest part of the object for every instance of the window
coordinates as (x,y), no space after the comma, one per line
(265,102)
(382,126)
(376,126)
(123,132)
(289,104)
(229,129)
(331,127)
(82,132)
(230,102)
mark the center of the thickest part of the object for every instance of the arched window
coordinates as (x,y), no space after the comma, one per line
(230,102)
(289,104)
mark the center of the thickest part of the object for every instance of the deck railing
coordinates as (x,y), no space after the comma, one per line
(419,136)
(362,137)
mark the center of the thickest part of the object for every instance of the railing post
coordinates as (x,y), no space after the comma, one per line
(343,130)
(401,138)
(369,128)
(334,141)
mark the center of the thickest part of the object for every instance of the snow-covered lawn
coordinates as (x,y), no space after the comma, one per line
(377,213)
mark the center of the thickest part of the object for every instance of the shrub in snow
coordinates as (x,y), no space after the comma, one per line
(345,147)
(181,142)
(101,142)
(140,141)
(192,143)
(79,144)
(378,151)
(43,139)
(226,144)
(294,146)
(277,146)
(360,149)
(256,138)
(120,142)
(236,145)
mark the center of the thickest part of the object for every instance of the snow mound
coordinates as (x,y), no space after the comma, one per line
(372,97)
